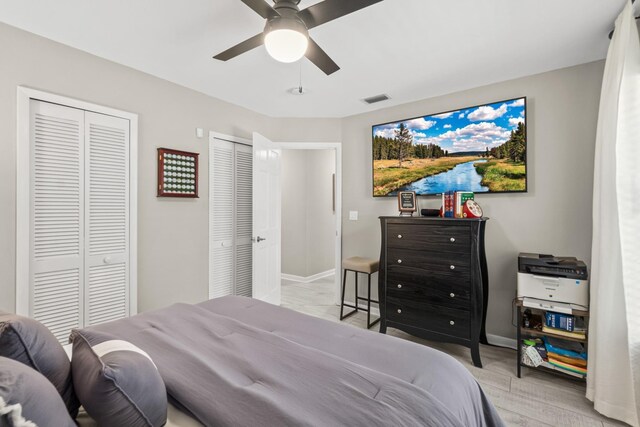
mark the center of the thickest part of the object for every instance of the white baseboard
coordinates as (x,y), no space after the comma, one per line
(502,341)
(308,279)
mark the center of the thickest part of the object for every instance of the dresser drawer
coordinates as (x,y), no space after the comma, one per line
(455,238)
(454,265)
(443,320)
(405,283)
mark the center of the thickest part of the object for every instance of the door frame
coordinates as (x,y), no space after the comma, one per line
(337,147)
(235,140)
(23,186)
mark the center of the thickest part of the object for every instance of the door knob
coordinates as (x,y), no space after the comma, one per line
(399,236)
(453,267)
(451,322)
(453,239)
(399,261)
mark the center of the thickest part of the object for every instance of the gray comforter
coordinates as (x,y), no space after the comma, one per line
(236,361)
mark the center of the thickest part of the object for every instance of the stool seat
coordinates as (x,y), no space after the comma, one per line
(360,264)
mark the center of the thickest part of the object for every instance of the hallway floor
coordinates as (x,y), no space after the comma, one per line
(537,399)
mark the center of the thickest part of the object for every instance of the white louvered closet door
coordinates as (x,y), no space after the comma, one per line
(106,218)
(244,219)
(79,217)
(221,218)
(230,219)
(56,217)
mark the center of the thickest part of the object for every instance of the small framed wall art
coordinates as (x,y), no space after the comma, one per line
(177,173)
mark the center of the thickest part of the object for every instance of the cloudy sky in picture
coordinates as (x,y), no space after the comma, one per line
(469,129)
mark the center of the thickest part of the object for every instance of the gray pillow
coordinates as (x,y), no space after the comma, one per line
(30,342)
(117,383)
(26,395)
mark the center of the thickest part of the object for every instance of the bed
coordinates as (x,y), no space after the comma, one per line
(237,361)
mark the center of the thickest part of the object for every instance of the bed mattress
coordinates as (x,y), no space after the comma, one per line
(236,361)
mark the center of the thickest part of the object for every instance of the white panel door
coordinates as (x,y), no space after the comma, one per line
(266,219)
(221,174)
(243,190)
(106,218)
(56,216)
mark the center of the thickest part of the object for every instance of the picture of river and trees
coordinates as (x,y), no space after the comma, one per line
(479,149)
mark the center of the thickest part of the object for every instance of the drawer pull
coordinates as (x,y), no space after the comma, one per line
(451,322)
(399,286)
(453,267)
(399,236)
(452,295)
(453,239)
(399,311)
(399,261)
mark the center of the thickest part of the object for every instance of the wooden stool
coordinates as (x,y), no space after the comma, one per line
(359,265)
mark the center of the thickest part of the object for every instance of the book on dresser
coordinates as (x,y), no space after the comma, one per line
(433,279)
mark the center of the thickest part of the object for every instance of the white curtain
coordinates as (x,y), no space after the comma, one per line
(613,381)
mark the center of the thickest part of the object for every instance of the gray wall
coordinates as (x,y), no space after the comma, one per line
(308,220)
(168,116)
(554,216)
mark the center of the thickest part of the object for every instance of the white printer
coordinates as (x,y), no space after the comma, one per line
(562,281)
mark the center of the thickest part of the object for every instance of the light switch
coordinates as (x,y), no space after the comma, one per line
(199,132)
(353,215)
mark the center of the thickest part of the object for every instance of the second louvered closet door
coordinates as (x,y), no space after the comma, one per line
(230,219)
(79,217)
(106,218)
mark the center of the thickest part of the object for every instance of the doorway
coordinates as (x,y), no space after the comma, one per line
(311,219)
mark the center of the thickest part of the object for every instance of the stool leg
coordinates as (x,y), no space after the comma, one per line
(342,304)
(344,283)
(368,300)
(356,293)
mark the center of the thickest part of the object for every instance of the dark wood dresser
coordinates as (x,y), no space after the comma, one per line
(433,279)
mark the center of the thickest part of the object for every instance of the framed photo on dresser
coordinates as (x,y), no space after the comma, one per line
(407,203)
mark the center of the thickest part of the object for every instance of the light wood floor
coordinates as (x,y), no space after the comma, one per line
(537,399)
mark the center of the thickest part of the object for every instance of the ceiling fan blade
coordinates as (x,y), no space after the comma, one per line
(328,10)
(241,48)
(320,58)
(262,8)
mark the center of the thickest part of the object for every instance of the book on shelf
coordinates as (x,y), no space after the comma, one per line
(448,204)
(561,332)
(460,198)
(582,363)
(562,321)
(549,365)
(567,366)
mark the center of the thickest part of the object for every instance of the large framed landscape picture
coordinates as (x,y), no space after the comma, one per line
(481,149)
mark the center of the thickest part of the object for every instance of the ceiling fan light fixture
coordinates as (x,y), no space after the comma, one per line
(286,39)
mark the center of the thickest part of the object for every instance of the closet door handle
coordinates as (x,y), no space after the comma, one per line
(107,260)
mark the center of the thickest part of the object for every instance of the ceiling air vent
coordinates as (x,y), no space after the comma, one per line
(377,98)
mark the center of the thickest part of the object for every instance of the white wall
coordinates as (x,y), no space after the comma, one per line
(554,216)
(172,233)
(308,220)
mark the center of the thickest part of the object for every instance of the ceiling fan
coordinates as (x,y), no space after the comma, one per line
(286,33)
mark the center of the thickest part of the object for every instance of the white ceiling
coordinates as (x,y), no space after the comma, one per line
(408,49)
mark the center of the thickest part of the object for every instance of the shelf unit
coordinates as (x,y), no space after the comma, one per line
(521,332)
